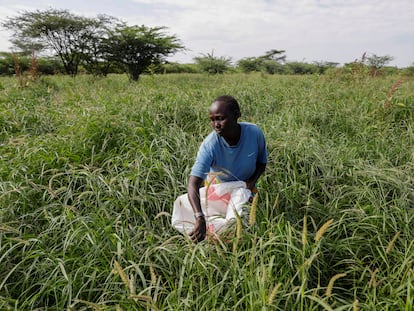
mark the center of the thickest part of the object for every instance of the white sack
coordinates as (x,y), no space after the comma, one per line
(224,200)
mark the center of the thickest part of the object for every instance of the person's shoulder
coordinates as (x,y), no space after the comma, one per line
(251,127)
(248,124)
(211,139)
(212,136)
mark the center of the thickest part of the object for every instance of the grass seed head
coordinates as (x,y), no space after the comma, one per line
(153,275)
(328,292)
(273,293)
(305,230)
(323,229)
(373,280)
(355,305)
(390,245)
(122,274)
(252,216)
(392,91)
(238,232)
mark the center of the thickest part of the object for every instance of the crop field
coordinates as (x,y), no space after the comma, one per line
(90,168)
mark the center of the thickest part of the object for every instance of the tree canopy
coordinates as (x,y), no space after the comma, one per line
(60,31)
(94,42)
(137,47)
(270,62)
(213,64)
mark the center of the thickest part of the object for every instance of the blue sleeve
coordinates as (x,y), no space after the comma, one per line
(262,156)
(203,161)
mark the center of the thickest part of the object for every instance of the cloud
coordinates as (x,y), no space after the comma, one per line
(315,30)
(310,30)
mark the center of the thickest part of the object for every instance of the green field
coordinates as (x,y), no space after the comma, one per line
(90,168)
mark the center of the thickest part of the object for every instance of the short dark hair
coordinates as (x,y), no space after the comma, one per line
(231,104)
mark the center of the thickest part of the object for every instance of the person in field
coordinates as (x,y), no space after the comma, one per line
(234,151)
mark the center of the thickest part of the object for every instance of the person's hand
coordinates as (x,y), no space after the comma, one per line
(199,232)
(250,184)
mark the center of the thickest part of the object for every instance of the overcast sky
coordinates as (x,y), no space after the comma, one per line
(308,30)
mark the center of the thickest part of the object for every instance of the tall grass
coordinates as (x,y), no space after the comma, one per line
(89,169)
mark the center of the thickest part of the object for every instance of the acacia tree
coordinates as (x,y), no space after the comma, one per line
(270,62)
(96,57)
(137,47)
(66,34)
(376,62)
(213,64)
(275,55)
(323,66)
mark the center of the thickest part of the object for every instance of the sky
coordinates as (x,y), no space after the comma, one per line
(307,30)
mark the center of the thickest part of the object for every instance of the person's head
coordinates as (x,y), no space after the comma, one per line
(224,112)
(230,103)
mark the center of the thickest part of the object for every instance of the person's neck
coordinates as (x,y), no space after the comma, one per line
(234,139)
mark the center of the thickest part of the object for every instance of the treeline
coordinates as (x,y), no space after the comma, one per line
(20,64)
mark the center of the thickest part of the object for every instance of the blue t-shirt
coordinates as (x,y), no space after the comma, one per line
(233,162)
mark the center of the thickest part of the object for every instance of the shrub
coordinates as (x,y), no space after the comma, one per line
(301,68)
(212,64)
(409,71)
(179,68)
(250,64)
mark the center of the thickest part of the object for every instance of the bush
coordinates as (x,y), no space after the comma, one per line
(250,64)
(45,65)
(299,68)
(50,66)
(212,64)
(179,68)
(409,71)
(259,64)
(272,67)
(6,64)
(8,61)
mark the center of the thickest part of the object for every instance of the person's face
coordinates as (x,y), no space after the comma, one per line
(223,121)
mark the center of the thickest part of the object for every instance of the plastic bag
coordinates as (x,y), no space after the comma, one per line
(224,200)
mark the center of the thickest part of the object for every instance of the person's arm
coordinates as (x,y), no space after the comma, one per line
(193,190)
(251,182)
